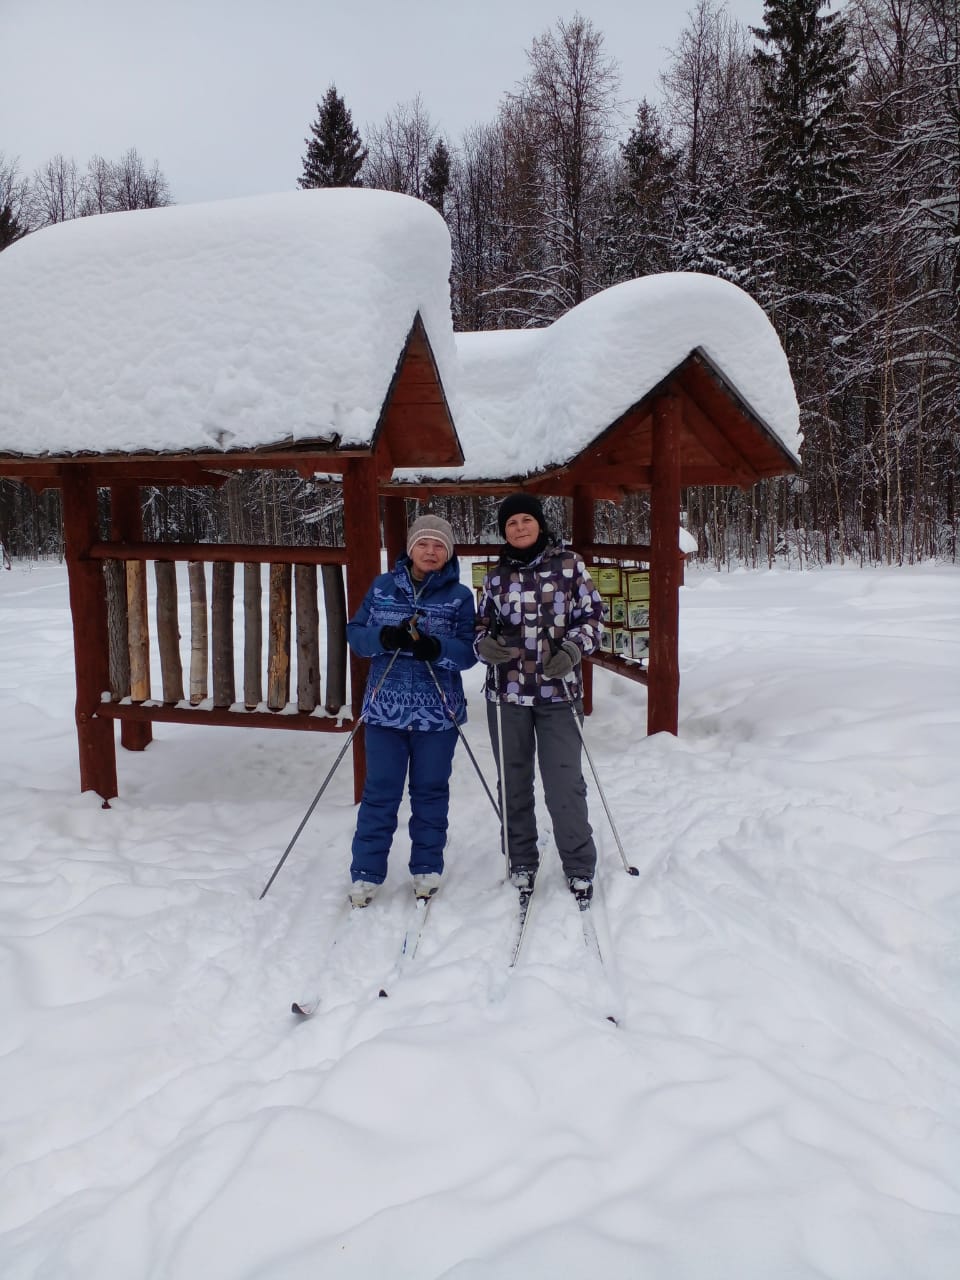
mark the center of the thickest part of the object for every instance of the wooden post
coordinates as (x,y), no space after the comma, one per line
(663,688)
(308,636)
(198,631)
(583,536)
(91,645)
(126,525)
(138,631)
(361,529)
(335,609)
(394,528)
(252,637)
(278,637)
(221,620)
(168,632)
(115,577)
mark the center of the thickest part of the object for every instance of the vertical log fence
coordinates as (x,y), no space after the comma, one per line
(292,630)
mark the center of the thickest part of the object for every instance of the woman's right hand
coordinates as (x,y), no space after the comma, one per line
(492,651)
(396,638)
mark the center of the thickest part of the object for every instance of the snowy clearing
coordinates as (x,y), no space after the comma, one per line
(781,1099)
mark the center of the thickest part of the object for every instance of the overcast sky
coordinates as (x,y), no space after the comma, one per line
(221,93)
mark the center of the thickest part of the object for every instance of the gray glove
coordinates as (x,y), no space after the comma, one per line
(493,651)
(562,662)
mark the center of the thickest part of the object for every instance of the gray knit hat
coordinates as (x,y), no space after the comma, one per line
(430,527)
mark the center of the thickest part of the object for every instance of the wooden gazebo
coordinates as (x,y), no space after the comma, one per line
(383,396)
(692,428)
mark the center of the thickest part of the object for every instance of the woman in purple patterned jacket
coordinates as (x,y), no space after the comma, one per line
(539,614)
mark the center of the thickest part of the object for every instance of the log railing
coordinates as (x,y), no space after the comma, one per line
(209,695)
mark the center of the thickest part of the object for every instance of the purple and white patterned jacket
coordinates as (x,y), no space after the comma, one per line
(527,606)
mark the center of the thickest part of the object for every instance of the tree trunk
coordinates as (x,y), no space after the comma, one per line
(335,607)
(252,636)
(115,578)
(168,632)
(138,631)
(308,639)
(221,613)
(198,631)
(278,647)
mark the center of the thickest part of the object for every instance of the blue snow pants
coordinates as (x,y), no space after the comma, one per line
(428,755)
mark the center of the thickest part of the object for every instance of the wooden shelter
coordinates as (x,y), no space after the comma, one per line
(692,428)
(415,394)
(379,415)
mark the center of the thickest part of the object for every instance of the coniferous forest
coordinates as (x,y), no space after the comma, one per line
(813,160)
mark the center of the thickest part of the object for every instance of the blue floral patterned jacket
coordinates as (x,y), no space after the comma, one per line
(409,698)
(535,607)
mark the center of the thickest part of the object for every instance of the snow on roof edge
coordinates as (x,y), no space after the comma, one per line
(533,399)
(234,324)
(263,321)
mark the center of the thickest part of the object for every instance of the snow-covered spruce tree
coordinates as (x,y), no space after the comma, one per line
(806,197)
(436,182)
(335,152)
(638,228)
(264,500)
(10,226)
(709,91)
(909,91)
(14,202)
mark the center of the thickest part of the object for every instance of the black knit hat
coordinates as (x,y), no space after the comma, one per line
(520,504)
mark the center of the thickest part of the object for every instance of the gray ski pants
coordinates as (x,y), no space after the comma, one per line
(549,728)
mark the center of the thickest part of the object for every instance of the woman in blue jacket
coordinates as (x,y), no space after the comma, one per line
(417,625)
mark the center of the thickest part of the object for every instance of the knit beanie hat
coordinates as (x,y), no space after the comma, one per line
(520,504)
(430,527)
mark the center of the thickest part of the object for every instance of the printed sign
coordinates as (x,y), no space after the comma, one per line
(607,579)
(622,642)
(638,584)
(479,571)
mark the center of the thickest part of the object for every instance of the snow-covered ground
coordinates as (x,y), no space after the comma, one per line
(780,1100)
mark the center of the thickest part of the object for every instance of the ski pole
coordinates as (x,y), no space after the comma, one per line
(463,739)
(630,870)
(501,767)
(323,785)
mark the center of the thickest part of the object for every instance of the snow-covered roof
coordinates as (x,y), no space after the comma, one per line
(534,398)
(267,321)
(231,325)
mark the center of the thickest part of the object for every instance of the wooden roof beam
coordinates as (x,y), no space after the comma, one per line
(415,420)
(711,438)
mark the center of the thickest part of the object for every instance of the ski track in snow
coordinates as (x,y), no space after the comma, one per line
(780,1100)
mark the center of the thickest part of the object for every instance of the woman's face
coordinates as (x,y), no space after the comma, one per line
(427,556)
(521,530)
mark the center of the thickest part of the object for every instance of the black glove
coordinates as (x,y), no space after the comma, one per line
(396,638)
(493,651)
(426,648)
(562,662)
